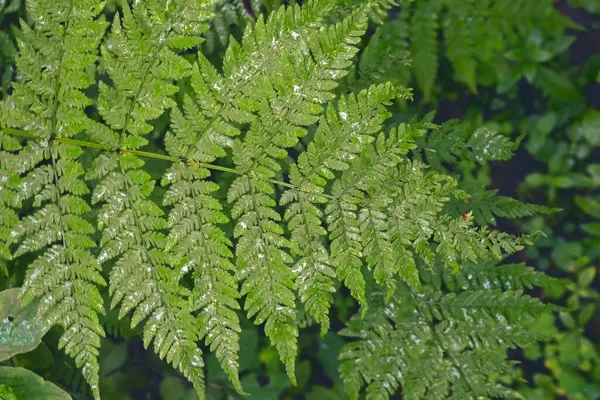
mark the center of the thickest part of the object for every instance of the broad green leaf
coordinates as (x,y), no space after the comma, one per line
(589,127)
(586,313)
(20,331)
(589,205)
(28,386)
(572,180)
(536,180)
(592,228)
(278,382)
(557,85)
(594,171)
(586,276)
(172,388)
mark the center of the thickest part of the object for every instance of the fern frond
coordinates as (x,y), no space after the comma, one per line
(384,211)
(460,141)
(436,344)
(386,58)
(141,279)
(367,174)
(286,100)
(195,238)
(460,40)
(405,213)
(331,150)
(9,198)
(458,239)
(48,101)
(141,60)
(493,277)
(139,56)
(416,199)
(486,205)
(424,51)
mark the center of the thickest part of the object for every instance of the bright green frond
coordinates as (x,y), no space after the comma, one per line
(487,205)
(503,277)
(195,238)
(337,140)
(355,219)
(142,281)
(321,189)
(9,197)
(140,57)
(460,141)
(437,344)
(424,50)
(48,102)
(286,99)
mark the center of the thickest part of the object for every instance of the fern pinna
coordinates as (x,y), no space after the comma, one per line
(353,207)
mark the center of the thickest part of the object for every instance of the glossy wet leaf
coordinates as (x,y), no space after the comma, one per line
(27,385)
(20,332)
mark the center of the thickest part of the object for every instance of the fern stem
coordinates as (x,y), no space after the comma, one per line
(157,156)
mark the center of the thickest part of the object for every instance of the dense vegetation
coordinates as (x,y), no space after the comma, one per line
(333,199)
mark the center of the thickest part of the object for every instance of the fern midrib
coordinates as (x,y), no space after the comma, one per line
(157,156)
(57,199)
(58,83)
(54,121)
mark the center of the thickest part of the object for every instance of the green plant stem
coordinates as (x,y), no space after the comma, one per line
(148,154)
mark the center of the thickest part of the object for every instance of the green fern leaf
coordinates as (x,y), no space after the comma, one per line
(358,209)
(461,141)
(424,31)
(55,55)
(437,344)
(330,151)
(286,99)
(460,41)
(9,199)
(415,200)
(486,205)
(387,55)
(195,238)
(140,59)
